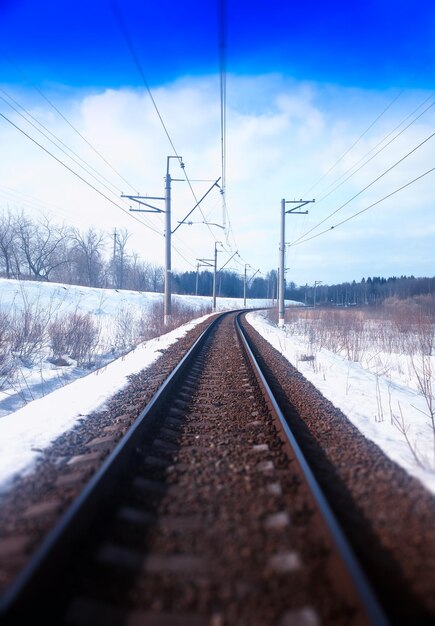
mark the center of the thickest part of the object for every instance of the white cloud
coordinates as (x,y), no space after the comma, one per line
(283,136)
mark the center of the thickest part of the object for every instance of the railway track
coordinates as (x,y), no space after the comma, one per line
(205,513)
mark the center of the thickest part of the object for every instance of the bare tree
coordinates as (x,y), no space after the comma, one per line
(40,245)
(7,240)
(87,256)
(120,258)
(157,275)
(137,274)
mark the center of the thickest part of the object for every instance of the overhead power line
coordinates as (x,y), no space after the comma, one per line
(59,112)
(32,117)
(183,257)
(223,96)
(302,237)
(77,175)
(97,152)
(356,141)
(351,217)
(58,143)
(138,64)
(19,199)
(132,50)
(374,148)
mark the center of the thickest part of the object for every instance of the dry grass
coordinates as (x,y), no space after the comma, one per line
(400,328)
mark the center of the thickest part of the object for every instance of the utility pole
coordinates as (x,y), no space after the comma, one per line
(167,212)
(293,211)
(214,274)
(244,286)
(114,257)
(316,282)
(202,263)
(167,307)
(247,282)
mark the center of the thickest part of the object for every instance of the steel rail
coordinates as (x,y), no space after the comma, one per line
(364,591)
(26,593)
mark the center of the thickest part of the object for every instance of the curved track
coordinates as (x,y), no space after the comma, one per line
(205,513)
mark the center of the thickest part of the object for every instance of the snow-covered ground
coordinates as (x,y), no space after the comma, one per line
(26,431)
(380,395)
(47,400)
(118,315)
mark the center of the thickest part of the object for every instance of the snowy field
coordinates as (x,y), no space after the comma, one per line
(122,319)
(378,391)
(47,399)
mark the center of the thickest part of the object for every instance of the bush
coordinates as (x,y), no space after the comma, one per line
(75,335)
(27,332)
(126,333)
(151,324)
(7,362)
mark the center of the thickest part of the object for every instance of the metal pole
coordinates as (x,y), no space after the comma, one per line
(244,289)
(214,276)
(316,282)
(114,258)
(281,311)
(197,278)
(167,297)
(167,305)
(293,211)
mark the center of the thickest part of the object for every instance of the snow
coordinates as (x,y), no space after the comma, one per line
(26,431)
(47,400)
(112,310)
(375,394)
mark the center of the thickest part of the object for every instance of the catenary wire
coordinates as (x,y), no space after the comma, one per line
(56,143)
(59,112)
(78,175)
(356,141)
(183,257)
(42,94)
(302,223)
(135,58)
(138,64)
(374,148)
(32,201)
(365,188)
(223,98)
(94,149)
(351,217)
(132,50)
(28,114)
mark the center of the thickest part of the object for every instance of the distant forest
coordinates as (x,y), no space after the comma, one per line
(370,291)
(44,251)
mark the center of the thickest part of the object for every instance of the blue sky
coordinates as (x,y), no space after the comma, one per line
(312,88)
(383,43)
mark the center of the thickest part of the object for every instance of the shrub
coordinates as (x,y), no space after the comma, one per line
(7,362)
(126,333)
(27,332)
(75,335)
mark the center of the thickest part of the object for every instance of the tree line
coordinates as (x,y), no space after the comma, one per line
(370,291)
(45,251)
